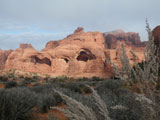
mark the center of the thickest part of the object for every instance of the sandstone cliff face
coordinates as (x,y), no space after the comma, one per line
(81,54)
(3,57)
(156,34)
(130,38)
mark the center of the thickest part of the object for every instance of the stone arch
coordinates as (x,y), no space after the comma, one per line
(45,60)
(85,55)
(66,60)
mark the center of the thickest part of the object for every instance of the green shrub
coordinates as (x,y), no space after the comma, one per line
(16,104)
(3,78)
(11,73)
(46,97)
(47,100)
(123,102)
(83,79)
(73,86)
(94,78)
(10,84)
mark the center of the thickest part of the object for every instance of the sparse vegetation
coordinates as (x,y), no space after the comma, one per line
(16,104)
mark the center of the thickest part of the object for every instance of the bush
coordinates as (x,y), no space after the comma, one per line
(47,100)
(16,104)
(10,84)
(83,79)
(94,78)
(3,78)
(74,86)
(61,78)
(119,100)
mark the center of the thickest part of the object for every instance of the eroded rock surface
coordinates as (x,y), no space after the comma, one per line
(81,54)
(130,38)
(3,57)
(156,35)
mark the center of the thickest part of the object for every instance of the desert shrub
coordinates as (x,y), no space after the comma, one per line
(52,80)
(47,99)
(35,78)
(11,73)
(16,104)
(94,78)
(3,78)
(78,87)
(110,84)
(119,100)
(22,84)
(10,84)
(86,90)
(46,96)
(61,78)
(44,88)
(47,78)
(37,84)
(83,79)
(30,79)
(21,76)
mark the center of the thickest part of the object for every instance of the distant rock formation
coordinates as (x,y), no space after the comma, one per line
(81,54)
(130,38)
(26,46)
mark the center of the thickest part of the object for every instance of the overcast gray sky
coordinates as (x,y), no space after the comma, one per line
(39,21)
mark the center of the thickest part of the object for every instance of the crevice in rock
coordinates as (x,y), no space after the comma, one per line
(66,60)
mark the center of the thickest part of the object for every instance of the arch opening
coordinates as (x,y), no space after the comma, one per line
(66,60)
(46,61)
(85,56)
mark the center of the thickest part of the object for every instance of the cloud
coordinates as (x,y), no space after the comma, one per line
(36,21)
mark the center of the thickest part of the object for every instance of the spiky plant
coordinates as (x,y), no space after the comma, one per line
(147,77)
(75,110)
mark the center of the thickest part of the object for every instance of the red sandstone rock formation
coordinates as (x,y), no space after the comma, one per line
(3,57)
(81,54)
(25,46)
(130,38)
(156,35)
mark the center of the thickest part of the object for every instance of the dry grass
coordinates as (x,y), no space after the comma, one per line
(77,111)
